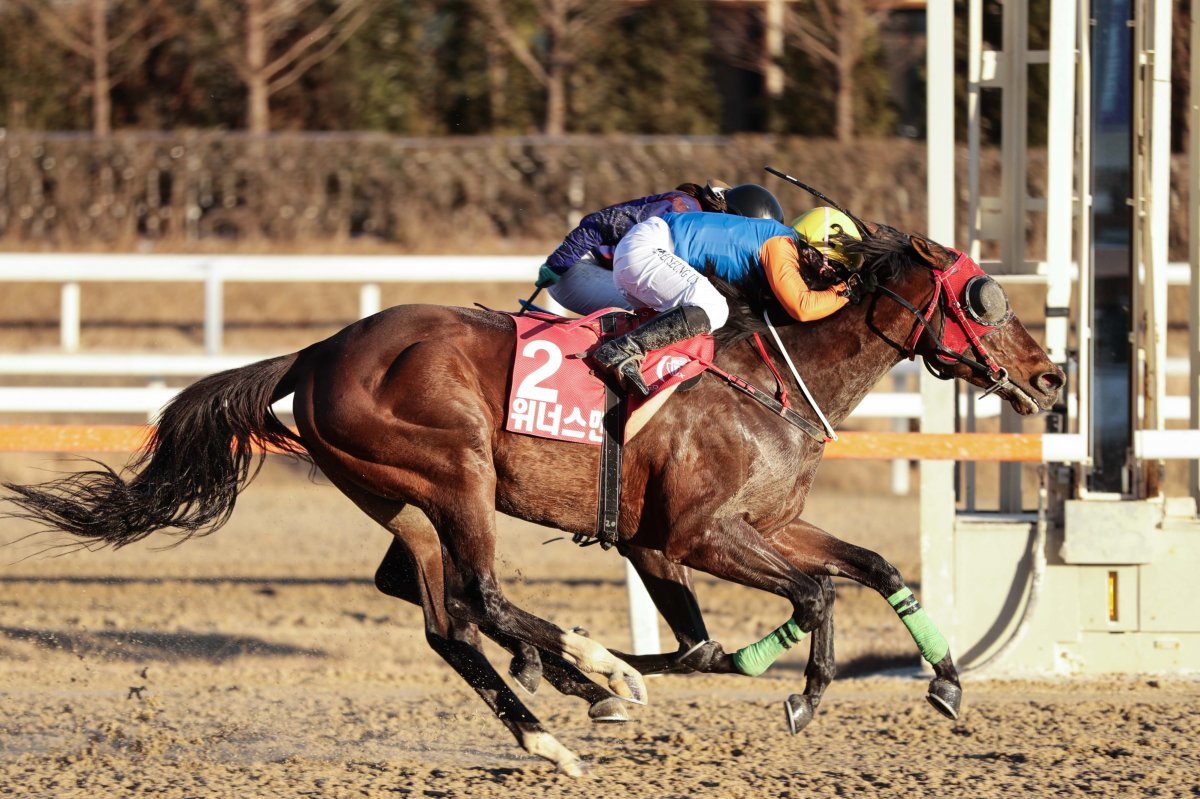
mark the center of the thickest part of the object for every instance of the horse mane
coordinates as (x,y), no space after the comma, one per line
(886,254)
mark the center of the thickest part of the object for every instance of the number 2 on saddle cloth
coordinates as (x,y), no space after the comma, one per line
(555,395)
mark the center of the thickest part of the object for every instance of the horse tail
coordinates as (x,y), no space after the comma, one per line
(209,443)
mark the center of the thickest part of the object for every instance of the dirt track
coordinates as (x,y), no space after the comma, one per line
(261,662)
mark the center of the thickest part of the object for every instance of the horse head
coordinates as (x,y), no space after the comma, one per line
(954,316)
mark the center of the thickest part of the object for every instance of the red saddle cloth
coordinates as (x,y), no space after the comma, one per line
(555,395)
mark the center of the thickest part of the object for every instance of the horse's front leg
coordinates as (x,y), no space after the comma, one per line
(670,587)
(814,551)
(800,709)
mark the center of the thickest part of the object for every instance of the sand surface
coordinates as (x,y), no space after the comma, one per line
(262,662)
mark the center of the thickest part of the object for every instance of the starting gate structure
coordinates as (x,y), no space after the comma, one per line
(1093,576)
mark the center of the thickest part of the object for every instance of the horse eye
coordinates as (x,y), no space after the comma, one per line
(985,300)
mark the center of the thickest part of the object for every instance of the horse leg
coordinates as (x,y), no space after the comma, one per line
(418,550)
(397,577)
(465,522)
(817,552)
(735,551)
(800,709)
(670,588)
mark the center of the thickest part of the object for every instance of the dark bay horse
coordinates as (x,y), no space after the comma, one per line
(405,412)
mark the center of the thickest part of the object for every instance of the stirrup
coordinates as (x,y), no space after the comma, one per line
(629,375)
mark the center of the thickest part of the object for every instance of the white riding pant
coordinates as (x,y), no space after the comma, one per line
(648,272)
(588,287)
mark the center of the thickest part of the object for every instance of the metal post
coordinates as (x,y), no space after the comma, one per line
(1013,196)
(937,397)
(1060,164)
(1156,176)
(1194,247)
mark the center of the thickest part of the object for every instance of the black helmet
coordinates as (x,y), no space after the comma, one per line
(752,200)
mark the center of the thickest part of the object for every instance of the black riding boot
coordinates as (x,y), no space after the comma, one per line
(623,356)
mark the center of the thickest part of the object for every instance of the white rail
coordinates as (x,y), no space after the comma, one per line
(72,270)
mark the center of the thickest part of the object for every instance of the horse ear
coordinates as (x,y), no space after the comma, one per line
(868,228)
(931,252)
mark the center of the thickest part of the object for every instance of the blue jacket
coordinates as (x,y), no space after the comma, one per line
(733,245)
(600,231)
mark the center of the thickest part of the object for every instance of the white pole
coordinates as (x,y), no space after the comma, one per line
(937,477)
(1194,247)
(643,618)
(370,300)
(214,310)
(69,318)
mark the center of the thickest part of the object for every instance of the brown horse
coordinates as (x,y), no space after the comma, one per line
(404,412)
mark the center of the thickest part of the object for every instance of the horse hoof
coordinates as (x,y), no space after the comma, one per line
(629,686)
(945,696)
(800,713)
(572,767)
(608,711)
(527,676)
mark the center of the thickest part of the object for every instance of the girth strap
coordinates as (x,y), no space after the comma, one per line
(613,427)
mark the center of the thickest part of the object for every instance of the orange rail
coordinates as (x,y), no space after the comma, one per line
(849,446)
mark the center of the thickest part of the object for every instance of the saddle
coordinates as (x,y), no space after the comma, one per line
(554,393)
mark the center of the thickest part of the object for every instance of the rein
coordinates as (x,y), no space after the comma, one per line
(780,406)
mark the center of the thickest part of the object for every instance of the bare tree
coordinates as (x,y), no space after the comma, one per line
(256,35)
(568,28)
(84,29)
(836,32)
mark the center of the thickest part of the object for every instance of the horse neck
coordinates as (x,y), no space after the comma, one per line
(841,358)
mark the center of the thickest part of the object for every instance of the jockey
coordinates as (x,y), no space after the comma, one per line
(659,265)
(578,272)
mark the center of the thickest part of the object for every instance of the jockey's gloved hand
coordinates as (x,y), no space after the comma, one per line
(546,277)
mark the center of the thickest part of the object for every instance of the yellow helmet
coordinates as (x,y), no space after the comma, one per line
(820,224)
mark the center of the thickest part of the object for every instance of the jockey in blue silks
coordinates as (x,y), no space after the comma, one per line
(661,264)
(578,273)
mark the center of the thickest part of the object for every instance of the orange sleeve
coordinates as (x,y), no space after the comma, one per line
(780,262)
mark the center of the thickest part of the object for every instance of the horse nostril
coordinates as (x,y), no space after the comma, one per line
(1050,382)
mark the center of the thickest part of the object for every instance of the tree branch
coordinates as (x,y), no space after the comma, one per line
(296,53)
(229,36)
(516,45)
(59,29)
(362,13)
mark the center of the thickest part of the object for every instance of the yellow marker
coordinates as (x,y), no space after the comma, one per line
(1112,596)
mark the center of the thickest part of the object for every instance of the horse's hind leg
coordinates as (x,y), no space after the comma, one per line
(466,525)
(456,643)
(397,576)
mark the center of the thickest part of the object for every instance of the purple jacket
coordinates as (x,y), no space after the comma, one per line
(600,231)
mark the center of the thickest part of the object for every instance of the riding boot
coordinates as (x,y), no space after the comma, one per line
(623,356)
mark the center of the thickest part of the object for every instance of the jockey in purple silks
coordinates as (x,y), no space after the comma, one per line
(579,272)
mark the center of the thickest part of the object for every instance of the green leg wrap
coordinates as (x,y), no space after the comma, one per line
(929,639)
(756,658)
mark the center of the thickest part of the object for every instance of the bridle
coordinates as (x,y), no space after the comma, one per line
(973,307)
